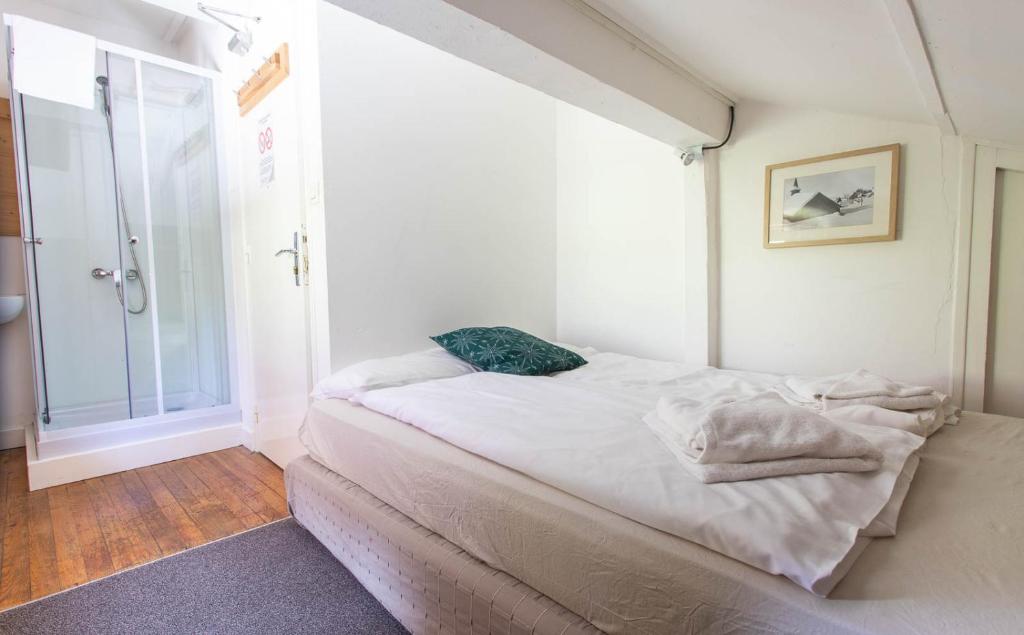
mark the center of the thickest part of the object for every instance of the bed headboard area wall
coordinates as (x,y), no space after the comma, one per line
(886,306)
(457,197)
(439,189)
(621,239)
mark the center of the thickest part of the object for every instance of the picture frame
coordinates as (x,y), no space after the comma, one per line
(835,199)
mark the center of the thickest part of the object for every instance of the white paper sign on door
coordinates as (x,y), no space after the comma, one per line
(265,145)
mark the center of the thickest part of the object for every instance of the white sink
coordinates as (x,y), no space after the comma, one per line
(10,307)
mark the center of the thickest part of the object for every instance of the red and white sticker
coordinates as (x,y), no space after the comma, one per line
(266,139)
(265,145)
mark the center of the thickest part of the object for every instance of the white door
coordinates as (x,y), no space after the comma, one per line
(1004,376)
(278,296)
(994,351)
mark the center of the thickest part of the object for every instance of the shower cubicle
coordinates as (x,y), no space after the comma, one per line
(127,255)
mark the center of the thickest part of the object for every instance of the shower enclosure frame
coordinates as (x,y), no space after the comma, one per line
(90,437)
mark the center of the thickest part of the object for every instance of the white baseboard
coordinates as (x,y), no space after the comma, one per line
(12,438)
(282,451)
(59,470)
(272,428)
(248,438)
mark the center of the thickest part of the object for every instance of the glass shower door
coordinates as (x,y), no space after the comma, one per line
(135,236)
(77,263)
(188,256)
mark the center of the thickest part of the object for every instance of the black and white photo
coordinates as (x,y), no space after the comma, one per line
(832,199)
(848,197)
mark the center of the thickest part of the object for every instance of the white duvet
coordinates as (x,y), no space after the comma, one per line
(582,432)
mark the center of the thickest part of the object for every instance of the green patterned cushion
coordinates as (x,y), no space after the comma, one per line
(502,349)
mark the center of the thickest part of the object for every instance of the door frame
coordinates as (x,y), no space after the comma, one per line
(273,434)
(981,161)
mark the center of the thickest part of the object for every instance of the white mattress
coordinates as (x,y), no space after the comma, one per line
(583,433)
(957,564)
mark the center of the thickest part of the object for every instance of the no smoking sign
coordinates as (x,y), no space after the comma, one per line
(266,139)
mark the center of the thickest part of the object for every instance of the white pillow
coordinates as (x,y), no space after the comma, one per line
(582,351)
(435,363)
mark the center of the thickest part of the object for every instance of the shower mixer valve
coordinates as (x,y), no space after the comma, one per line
(100,273)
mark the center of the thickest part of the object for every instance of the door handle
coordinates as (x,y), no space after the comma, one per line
(294,252)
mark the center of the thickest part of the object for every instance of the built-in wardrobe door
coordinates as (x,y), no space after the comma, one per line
(1004,374)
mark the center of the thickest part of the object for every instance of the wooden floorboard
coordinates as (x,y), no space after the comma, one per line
(68,547)
(42,552)
(15,584)
(63,536)
(93,545)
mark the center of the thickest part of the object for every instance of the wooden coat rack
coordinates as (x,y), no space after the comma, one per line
(265,79)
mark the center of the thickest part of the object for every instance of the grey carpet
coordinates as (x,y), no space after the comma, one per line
(275,579)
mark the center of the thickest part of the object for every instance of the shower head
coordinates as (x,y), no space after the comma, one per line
(104,83)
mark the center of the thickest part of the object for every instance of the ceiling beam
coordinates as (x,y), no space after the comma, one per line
(901,13)
(569,51)
(652,47)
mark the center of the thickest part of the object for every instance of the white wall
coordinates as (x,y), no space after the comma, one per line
(883,306)
(439,190)
(621,273)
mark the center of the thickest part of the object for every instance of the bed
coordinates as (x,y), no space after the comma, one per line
(956,566)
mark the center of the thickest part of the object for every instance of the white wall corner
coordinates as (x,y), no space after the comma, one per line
(962,271)
(248,438)
(711,212)
(701,196)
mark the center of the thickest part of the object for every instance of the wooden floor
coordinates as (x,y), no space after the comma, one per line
(63,536)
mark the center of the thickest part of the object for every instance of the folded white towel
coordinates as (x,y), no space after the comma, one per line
(51,62)
(756,437)
(810,389)
(858,384)
(862,383)
(916,402)
(920,422)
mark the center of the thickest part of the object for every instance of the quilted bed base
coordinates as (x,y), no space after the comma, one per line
(429,584)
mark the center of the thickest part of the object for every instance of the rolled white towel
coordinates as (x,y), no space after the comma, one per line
(756,437)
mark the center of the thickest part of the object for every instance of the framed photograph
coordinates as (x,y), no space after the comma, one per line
(849,197)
